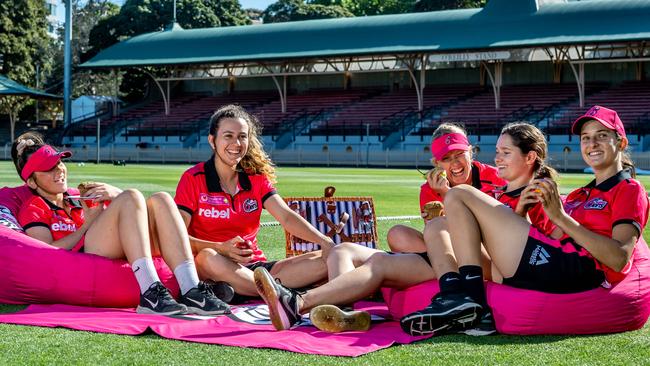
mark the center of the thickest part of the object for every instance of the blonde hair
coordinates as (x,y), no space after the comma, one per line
(448,127)
(256,161)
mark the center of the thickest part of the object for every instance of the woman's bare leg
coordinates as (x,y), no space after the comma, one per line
(441,253)
(122,230)
(301,270)
(380,270)
(479,218)
(169,236)
(405,239)
(214,266)
(345,257)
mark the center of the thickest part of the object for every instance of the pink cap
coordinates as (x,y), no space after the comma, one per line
(441,145)
(43,160)
(607,117)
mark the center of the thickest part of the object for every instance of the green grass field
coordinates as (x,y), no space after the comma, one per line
(395,193)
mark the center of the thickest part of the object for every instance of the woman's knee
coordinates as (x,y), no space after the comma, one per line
(207,260)
(396,233)
(435,226)
(130,196)
(458,194)
(342,252)
(161,199)
(343,249)
(378,262)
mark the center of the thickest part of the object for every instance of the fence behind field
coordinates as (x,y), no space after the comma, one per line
(299,157)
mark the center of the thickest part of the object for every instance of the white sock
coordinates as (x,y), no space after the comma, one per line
(145,273)
(186,276)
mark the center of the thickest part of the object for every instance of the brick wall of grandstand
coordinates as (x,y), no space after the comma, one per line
(313,102)
(630,99)
(384,112)
(518,103)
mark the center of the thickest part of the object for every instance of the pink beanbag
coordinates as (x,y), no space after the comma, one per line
(33,272)
(624,307)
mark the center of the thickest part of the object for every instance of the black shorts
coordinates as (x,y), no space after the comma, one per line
(240,299)
(266,265)
(423,255)
(555,266)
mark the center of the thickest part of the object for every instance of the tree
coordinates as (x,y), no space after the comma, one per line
(23,39)
(144,16)
(293,10)
(23,42)
(85,15)
(434,5)
(370,7)
(11,106)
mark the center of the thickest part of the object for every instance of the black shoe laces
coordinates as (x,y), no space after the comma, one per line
(160,291)
(205,289)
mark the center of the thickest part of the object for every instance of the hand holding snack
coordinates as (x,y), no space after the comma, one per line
(84,187)
(437,179)
(433,209)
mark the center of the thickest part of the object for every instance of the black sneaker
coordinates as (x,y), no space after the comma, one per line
(157,300)
(201,301)
(282,302)
(445,311)
(484,327)
(222,290)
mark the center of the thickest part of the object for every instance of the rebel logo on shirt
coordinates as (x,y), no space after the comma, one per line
(213,200)
(213,213)
(63,226)
(250,205)
(595,204)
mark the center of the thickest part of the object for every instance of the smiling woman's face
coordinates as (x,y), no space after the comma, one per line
(53,181)
(230,143)
(458,165)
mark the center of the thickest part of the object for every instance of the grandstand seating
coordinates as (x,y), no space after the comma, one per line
(188,115)
(330,112)
(384,112)
(314,102)
(630,99)
(518,102)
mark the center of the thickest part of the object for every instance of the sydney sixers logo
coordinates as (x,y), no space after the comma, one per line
(250,205)
(593,111)
(595,204)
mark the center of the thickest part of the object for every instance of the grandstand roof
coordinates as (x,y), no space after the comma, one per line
(10,87)
(502,24)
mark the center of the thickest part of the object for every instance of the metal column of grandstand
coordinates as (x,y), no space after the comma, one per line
(556,38)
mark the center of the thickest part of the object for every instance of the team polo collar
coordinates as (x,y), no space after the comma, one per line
(476,177)
(610,182)
(212,178)
(73,203)
(515,192)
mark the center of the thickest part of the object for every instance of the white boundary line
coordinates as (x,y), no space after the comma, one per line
(382,218)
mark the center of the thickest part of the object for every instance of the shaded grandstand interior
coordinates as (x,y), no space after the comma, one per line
(379,111)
